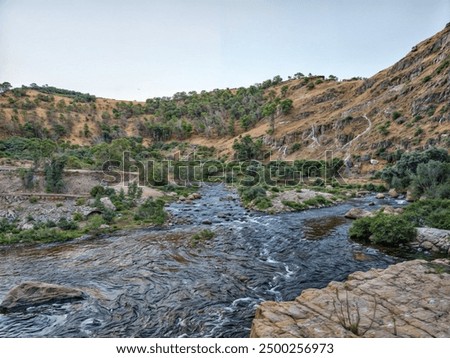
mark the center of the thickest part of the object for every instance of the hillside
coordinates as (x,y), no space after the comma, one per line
(403,107)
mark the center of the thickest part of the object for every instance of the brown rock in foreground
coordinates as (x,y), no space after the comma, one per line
(409,299)
(29,294)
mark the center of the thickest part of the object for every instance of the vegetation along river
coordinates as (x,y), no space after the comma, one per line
(159,283)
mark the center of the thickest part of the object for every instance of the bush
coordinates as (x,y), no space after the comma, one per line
(360,229)
(249,194)
(67,225)
(151,211)
(430,212)
(391,230)
(383,229)
(262,203)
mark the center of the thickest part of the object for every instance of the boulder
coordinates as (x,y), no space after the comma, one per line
(107,203)
(409,299)
(393,193)
(387,209)
(380,196)
(30,294)
(357,213)
(409,196)
(432,239)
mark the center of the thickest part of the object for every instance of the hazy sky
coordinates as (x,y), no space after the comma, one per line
(137,49)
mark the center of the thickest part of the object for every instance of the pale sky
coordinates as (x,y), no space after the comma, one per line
(138,49)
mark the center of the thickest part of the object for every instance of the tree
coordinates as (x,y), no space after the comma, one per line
(54,174)
(269,110)
(286,105)
(5,86)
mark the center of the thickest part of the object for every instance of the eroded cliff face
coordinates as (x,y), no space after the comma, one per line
(409,299)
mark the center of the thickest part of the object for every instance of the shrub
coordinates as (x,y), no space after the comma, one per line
(67,225)
(298,206)
(151,211)
(262,203)
(383,229)
(391,230)
(249,194)
(360,229)
(430,212)
(396,115)
(318,200)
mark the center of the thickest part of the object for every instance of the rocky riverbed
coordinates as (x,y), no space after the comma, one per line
(156,283)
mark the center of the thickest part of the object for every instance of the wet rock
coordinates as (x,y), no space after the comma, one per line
(107,203)
(181,198)
(409,299)
(380,196)
(393,193)
(362,193)
(206,222)
(29,294)
(371,203)
(357,213)
(188,201)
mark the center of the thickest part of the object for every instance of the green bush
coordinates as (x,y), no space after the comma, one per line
(297,206)
(360,229)
(391,230)
(262,203)
(67,225)
(151,211)
(383,229)
(318,200)
(251,193)
(430,212)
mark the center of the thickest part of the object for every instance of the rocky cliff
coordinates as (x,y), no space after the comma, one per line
(409,299)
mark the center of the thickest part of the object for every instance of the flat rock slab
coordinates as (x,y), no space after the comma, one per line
(409,299)
(30,294)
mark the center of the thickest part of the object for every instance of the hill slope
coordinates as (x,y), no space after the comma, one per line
(403,107)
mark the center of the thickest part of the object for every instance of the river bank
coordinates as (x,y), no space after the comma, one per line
(408,299)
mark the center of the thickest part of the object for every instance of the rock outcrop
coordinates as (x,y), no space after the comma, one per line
(409,299)
(29,294)
(434,240)
(357,213)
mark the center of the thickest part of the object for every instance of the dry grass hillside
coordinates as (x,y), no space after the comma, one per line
(405,106)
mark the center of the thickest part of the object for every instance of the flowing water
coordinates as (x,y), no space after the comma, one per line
(160,283)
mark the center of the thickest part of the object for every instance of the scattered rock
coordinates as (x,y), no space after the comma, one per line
(380,196)
(409,299)
(29,294)
(104,226)
(206,222)
(409,196)
(372,203)
(357,213)
(374,161)
(107,203)
(393,193)
(181,198)
(27,226)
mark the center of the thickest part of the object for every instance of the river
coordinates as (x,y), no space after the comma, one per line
(156,283)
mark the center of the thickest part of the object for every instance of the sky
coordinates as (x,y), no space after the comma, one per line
(138,49)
